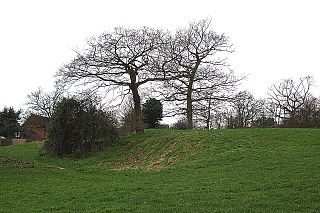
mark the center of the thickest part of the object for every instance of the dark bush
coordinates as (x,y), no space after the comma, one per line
(78,127)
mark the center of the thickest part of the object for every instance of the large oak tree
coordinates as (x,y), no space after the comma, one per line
(199,71)
(121,60)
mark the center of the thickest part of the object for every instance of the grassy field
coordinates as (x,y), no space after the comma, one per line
(242,170)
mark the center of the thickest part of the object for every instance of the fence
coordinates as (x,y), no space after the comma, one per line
(8,142)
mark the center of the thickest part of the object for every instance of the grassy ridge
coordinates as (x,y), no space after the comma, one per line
(266,170)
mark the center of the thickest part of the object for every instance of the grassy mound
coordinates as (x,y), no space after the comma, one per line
(156,150)
(268,170)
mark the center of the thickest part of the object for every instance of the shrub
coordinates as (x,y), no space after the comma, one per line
(78,127)
(181,124)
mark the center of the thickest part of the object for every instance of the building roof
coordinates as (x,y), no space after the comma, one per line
(36,120)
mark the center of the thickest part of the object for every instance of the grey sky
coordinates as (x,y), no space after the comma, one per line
(272,39)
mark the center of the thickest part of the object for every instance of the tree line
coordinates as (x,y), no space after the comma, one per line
(289,103)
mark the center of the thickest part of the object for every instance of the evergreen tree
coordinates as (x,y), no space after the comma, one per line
(9,125)
(152,112)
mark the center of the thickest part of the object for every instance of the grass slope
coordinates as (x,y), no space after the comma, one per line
(260,170)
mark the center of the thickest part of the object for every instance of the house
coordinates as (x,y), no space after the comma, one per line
(35,127)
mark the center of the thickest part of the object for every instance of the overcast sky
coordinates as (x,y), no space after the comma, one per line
(273,39)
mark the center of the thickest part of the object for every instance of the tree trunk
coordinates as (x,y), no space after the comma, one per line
(137,109)
(189,96)
(208,115)
(189,111)
(136,102)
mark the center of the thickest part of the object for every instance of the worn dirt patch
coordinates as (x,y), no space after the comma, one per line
(155,155)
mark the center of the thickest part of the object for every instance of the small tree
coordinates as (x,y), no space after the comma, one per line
(152,112)
(43,103)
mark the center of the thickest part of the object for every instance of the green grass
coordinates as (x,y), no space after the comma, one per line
(242,170)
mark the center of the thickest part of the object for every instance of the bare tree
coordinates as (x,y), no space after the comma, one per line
(122,61)
(209,113)
(308,116)
(246,108)
(288,96)
(43,103)
(198,70)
